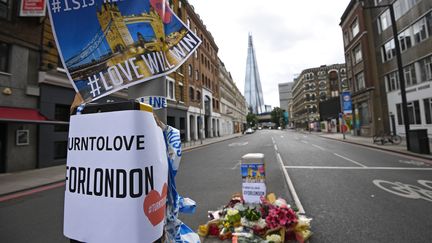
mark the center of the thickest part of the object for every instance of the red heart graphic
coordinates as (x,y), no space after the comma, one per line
(154,205)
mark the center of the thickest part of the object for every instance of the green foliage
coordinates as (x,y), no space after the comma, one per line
(277,117)
(251,119)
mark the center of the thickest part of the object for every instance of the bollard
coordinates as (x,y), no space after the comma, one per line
(253,177)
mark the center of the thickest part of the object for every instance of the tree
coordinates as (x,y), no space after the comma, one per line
(277,117)
(251,119)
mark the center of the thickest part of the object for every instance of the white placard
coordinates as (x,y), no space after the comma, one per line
(252,192)
(116,178)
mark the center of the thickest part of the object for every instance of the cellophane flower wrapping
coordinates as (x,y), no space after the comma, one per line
(273,220)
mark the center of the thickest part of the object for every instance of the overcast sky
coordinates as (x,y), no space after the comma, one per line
(288,36)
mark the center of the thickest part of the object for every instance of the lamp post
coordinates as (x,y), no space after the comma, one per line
(399,65)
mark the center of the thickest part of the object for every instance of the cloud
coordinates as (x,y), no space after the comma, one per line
(288,36)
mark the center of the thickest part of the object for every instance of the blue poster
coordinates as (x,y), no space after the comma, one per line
(346,102)
(285,115)
(108,45)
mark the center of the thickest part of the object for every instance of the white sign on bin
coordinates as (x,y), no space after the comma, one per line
(116,178)
(253,177)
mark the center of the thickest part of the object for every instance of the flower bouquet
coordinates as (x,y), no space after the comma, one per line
(273,220)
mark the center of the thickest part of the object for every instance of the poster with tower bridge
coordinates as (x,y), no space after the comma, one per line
(108,45)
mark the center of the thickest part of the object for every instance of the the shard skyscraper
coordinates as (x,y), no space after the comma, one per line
(253,91)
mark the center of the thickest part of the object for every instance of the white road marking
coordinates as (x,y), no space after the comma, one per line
(289,182)
(238,144)
(319,147)
(350,160)
(354,168)
(413,162)
(236,165)
(305,142)
(406,190)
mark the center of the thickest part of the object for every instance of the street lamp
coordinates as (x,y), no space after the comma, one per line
(399,65)
(308,121)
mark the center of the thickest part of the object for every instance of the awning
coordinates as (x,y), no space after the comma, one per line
(25,115)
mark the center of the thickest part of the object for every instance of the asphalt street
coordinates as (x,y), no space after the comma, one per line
(358,194)
(353,193)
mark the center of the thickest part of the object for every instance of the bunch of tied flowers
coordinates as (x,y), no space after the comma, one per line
(278,214)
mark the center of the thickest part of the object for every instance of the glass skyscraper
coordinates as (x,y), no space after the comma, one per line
(253,91)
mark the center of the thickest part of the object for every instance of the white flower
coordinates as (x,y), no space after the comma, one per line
(274,238)
(231,212)
(281,202)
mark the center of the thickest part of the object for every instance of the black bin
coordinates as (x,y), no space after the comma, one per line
(419,141)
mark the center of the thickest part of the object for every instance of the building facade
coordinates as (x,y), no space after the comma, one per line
(285,95)
(378,62)
(367,92)
(313,86)
(201,83)
(19,97)
(233,104)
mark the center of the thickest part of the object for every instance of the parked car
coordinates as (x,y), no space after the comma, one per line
(249,131)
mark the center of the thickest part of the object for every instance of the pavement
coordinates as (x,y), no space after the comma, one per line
(19,182)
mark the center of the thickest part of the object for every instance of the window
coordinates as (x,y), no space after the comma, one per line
(61,113)
(196,54)
(346,38)
(377,2)
(323,96)
(181,92)
(190,70)
(413,113)
(364,113)
(388,50)
(392,80)
(429,22)
(426,69)
(359,82)
(198,95)
(171,121)
(355,28)
(4,9)
(313,97)
(402,6)
(170,88)
(428,110)
(196,75)
(60,149)
(410,75)
(4,56)
(191,94)
(357,54)
(384,21)
(405,39)
(322,85)
(419,31)
(188,22)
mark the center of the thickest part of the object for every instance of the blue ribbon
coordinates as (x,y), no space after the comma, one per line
(176,230)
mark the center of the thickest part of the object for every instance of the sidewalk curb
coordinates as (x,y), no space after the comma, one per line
(23,191)
(206,144)
(379,148)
